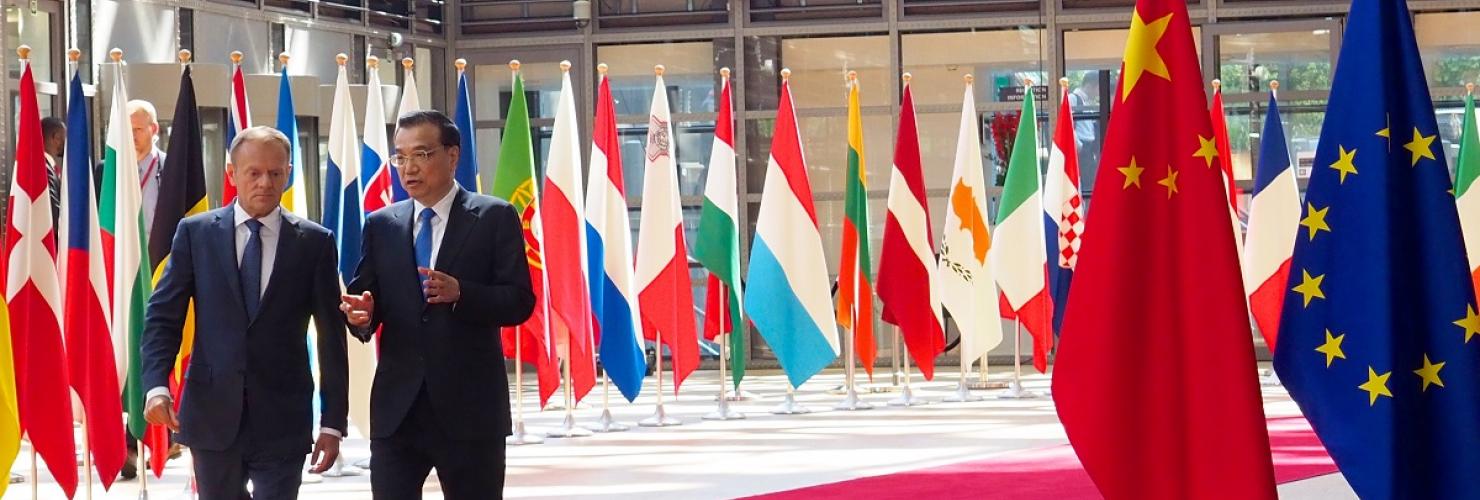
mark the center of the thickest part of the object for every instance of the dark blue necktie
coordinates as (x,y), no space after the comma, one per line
(424,244)
(251,268)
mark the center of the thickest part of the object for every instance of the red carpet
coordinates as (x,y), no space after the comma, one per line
(1055,471)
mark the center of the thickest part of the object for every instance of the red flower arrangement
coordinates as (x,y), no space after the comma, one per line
(1004,130)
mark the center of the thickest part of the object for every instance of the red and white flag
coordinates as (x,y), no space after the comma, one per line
(239,118)
(565,245)
(1225,161)
(1063,207)
(34,295)
(906,285)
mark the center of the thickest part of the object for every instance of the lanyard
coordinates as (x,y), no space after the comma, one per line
(148,172)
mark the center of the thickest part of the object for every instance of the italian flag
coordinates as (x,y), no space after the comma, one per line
(1468,169)
(718,248)
(1021,261)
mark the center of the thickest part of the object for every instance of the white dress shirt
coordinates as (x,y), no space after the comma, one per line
(439,222)
(272,225)
(149,184)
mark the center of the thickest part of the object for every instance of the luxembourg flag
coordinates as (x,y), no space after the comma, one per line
(787,290)
(565,245)
(375,165)
(663,284)
(238,118)
(609,254)
(1274,223)
(1021,261)
(342,214)
(1063,207)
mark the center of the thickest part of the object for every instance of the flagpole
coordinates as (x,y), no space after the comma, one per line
(519,436)
(1015,387)
(894,359)
(723,411)
(906,395)
(659,418)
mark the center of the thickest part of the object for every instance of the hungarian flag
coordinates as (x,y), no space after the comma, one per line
(1161,283)
(1225,160)
(663,287)
(34,296)
(1021,262)
(1274,224)
(609,250)
(718,248)
(10,423)
(238,118)
(1064,208)
(121,216)
(467,160)
(1466,196)
(90,362)
(565,245)
(342,214)
(375,170)
(514,182)
(907,263)
(968,291)
(786,292)
(855,308)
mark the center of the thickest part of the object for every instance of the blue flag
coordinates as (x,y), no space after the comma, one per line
(294,198)
(1377,337)
(467,161)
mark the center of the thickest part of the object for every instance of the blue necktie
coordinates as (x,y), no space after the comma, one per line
(424,244)
(251,268)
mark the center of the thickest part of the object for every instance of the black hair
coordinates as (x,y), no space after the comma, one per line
(449,134)
(51,125)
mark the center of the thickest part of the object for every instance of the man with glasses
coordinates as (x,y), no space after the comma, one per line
(439,274)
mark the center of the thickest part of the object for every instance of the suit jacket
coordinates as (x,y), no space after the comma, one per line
(241,368)
(454,350)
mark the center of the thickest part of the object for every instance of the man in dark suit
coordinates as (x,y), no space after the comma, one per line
(440,273)
(256,274)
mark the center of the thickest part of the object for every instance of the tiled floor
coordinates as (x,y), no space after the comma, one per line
(762,453)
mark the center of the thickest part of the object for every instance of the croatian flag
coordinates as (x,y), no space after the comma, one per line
(1063,208)
(565,245)
(342,214)
(238,118)
(375,166)
(1274,224)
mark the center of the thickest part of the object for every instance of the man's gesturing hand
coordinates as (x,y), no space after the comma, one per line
(357,308)
(159,411)
(440,288)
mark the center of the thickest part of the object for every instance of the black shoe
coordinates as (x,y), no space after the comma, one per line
(130,468)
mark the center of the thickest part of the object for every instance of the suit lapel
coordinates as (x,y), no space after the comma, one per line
(223,238)
(287,250)
(459,224)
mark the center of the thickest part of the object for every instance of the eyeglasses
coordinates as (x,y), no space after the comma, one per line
(417,157)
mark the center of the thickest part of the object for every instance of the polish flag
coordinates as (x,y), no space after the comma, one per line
(565,245)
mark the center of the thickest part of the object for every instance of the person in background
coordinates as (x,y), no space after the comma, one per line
(54,137)
(144,122)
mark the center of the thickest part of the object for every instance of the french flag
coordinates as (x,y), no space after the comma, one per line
(609,254)
(787,292)
(1063,208)
(375,167)
(565,245)
(1274,223)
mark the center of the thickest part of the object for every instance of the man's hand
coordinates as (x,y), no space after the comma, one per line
(440,288)
(326,448)
(159,411)
(357,308)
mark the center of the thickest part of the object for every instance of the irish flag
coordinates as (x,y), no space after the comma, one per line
(1021,261)
(907,284)
(787,290)
(967,288)
(855,275)
(664,290)
(718,248)
(1274,224)
(1064,207)
(609,248)
(514,182)
(1465,192)
(565,245)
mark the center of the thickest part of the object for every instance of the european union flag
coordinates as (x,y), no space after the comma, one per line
(1377,337)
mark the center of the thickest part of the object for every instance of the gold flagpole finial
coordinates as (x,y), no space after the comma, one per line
(658,70)
(283,58)
(341,58)
(184,56)
(969,78)
(907,77)
(785,74)
(852,76)
(24,51)
(372,62)
(1028,82)
(1217,85)
(461,64)
(601,69)
(1470,88)
(408,63)
(514,65)
(236,57)
(74,55)
(116,54)
(564,66)
(724,73)
(1064,83)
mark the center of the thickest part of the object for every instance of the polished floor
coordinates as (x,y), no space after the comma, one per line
(762,453)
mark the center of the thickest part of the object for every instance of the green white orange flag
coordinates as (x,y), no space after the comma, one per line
(1021,262)
(1466,195)
(855,277)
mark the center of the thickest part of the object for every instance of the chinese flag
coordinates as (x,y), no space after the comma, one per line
(1155,379)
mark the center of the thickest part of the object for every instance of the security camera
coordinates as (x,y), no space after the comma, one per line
(581,11)
(397,40)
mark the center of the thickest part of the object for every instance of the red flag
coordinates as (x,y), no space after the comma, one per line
(1163,286)
(34,294)
(1220,134)
(907,262)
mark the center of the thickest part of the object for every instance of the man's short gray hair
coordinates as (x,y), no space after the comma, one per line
(140,105)
(262,134)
